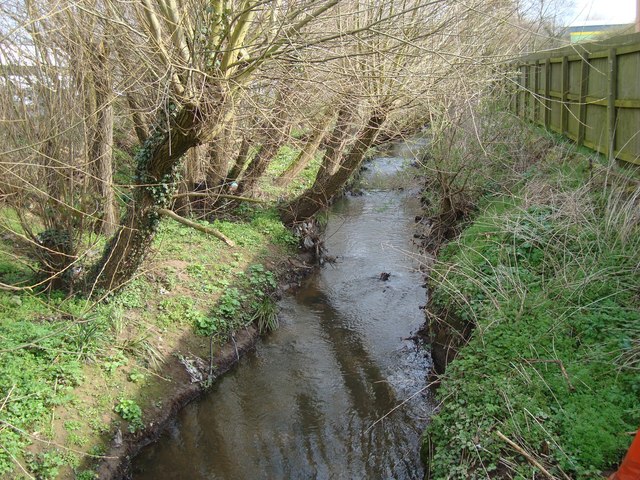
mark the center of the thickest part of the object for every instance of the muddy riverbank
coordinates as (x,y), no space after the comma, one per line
(189,378)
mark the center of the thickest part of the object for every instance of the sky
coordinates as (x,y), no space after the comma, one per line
(607,11)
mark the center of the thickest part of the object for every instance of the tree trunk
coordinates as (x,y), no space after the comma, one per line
(241,160)
(259,164)
(139,124)
(156,174)
(306,155)
(327,185)
(102,139)
(217,162)
(220,151)
(336,142)
(274,136)
(192,177)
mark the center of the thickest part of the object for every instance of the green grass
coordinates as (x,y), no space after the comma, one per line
(52,347)
(550,281)
(279,164)
(131,412)
(43,344)
(282,160)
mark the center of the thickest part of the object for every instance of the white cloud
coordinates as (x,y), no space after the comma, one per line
(605,11)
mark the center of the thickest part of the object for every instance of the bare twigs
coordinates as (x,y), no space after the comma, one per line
(13,288)
(400,405)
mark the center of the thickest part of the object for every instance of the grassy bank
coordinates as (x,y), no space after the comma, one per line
(74,371)
(548,276)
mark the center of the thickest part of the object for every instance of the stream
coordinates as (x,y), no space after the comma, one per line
(317,398)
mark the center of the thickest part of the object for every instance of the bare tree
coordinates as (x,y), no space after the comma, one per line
(183,73)
(202,73)
(316,136)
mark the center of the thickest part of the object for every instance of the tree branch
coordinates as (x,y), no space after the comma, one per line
(12,288)
(197,226)
(219,195)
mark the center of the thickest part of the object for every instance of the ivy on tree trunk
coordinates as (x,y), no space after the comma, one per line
(157,164)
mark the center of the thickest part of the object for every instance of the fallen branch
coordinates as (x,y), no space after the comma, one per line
(526,455)
(15,460)
(197,226)
(219,195)
(12,288)
(6,399)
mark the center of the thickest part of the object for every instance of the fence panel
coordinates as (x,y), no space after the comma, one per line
(587,92)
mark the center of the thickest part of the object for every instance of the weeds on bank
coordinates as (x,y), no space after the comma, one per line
(131,412)
(549,277)
(243,304)
(44,344)
(52,346)
(266,315)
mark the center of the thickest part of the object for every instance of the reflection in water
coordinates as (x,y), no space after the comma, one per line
(305,404)
(362,377)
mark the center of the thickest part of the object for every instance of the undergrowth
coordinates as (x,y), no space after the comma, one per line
(73,369)
(549,277)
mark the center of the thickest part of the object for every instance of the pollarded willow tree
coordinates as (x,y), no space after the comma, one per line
(226,76)
(209,51)
(182,61)
(414,58)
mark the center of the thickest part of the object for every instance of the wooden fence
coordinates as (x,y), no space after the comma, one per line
(588,92)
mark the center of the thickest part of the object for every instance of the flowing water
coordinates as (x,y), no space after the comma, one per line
(317,397)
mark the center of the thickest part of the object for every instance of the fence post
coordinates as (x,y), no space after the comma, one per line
(611,103)
(516,100)
(527,93)
(512,98)
(536,93)
(584,90)
(564,109)
(547,93)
